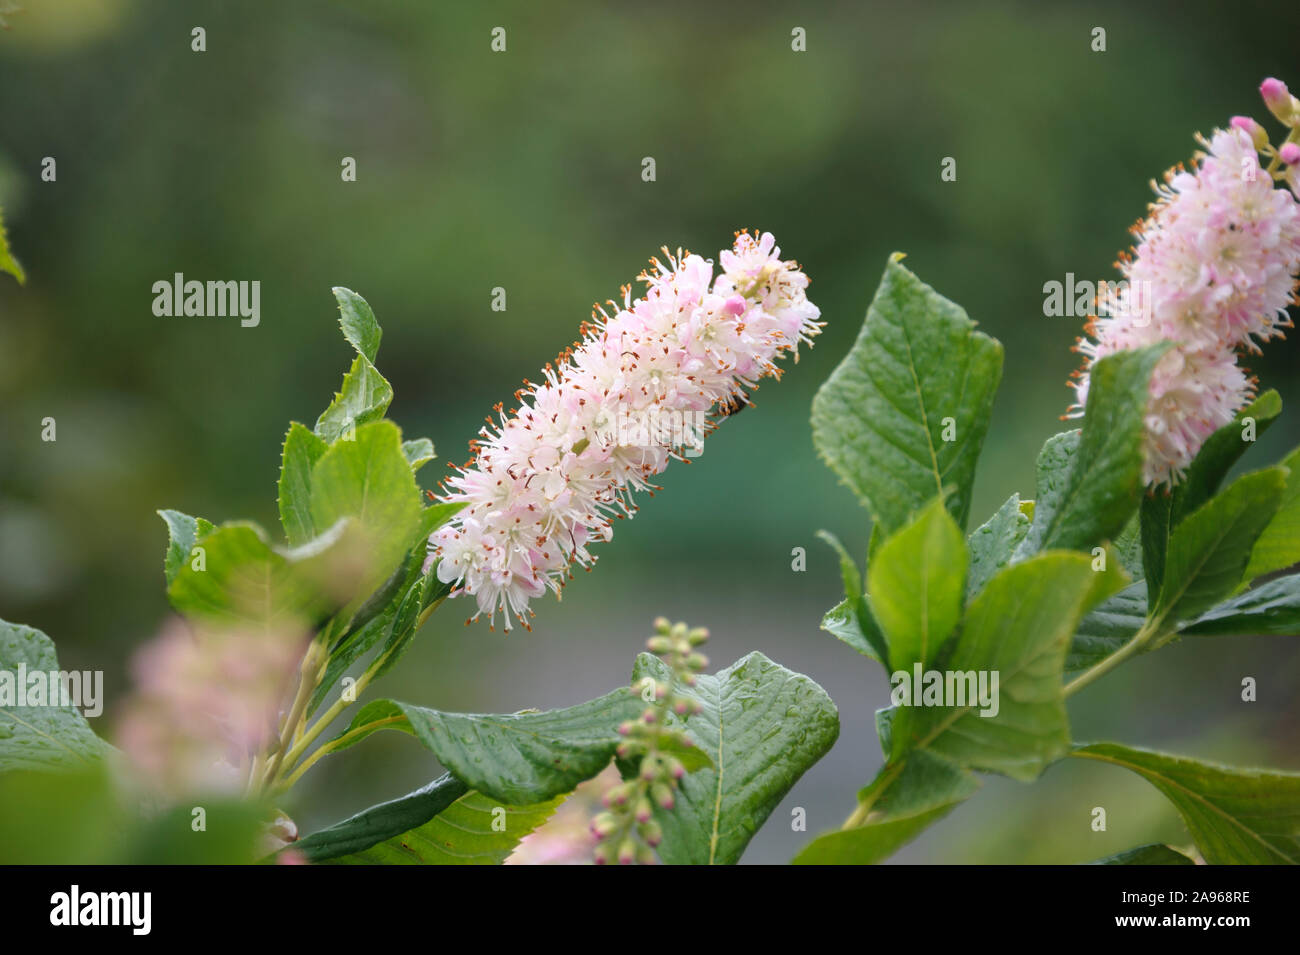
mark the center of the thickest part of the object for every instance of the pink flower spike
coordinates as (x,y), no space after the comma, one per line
(549,479)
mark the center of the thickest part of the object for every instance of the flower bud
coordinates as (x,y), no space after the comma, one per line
(659,645)
(663,795)
(1256,132)
(1289,153)
(604,825)
(1278,99)
(645,856)
(651,832)
(644,811)
(627,851)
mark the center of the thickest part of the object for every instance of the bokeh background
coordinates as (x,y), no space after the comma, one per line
(522,170)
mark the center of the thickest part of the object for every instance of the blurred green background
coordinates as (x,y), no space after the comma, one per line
(522,170)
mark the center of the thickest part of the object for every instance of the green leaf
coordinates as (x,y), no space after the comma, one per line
(1108,627)
(418,453)
(1019,628)
(1270,608)
(851,620)
(1161,513)
(239,579)
(302,449)
(852,623)
(849,573)
(358,323)
(367,478)
(364,398)
(1156,854)
(1209,551)
(992,544)
(381,822)
(474,830)
(183,533)
(7,261)
(1089,485)
(1236,816)
(762,726)
(517,758)
(1128,545)
(1278,547)
(917,367)
(917,582)
(35,732)
(905,800)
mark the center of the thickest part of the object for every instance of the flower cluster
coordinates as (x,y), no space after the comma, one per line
(627,831)
(205,703)
(1213,271)
(546,479)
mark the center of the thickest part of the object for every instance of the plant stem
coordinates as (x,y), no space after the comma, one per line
(304,738)
(308,674)
(1145,635)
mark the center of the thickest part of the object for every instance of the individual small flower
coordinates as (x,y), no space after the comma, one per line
(205,702)
(1213,272)
(627,831)
(547,478)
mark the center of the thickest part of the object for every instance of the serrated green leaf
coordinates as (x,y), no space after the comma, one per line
(1089,485)
(363,398)
(917,582)
(1128,545)
(358,323)
(1271,608)
(302,449)
(1278,547)
(1209,551)
(418,453)
(1162,512)
(516,758)
(993,543)
(917,367)
(473,830)
(1108,627)
(1019,627)
(1235,816)
(40,734)
(183,532)
(239,579)
(1156,854)
(368,479)
(762,726)
(384,821)
(905,800)
(845,621)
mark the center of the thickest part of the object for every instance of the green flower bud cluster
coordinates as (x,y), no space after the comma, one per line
(627,831)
